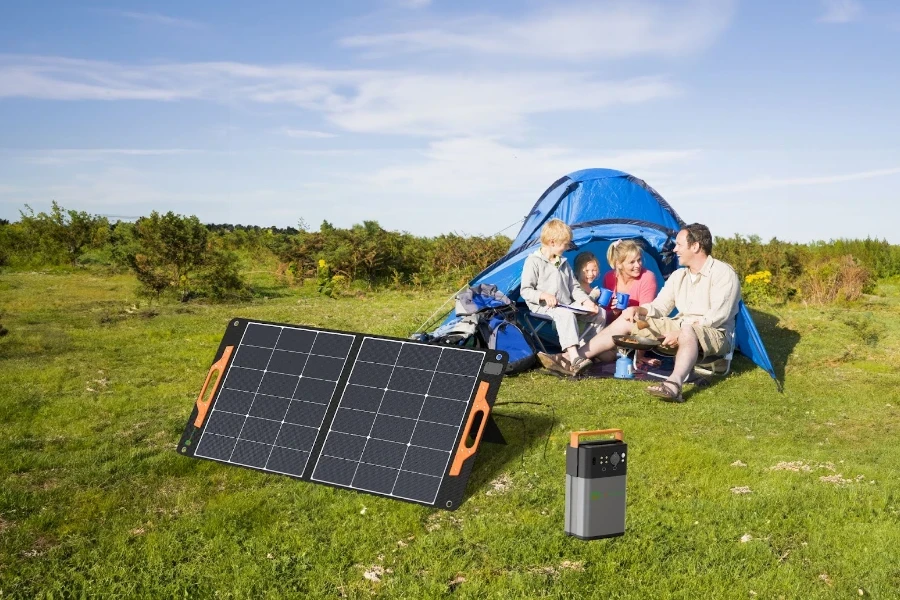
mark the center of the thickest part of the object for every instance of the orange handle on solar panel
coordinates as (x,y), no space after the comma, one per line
(573,439)
(203,405)
(462,453)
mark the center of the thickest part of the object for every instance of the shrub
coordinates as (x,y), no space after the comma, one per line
(835,279)
(756,289)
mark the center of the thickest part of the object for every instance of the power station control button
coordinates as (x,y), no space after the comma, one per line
(614,459)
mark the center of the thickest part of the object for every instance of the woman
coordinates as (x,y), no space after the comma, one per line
(628,276)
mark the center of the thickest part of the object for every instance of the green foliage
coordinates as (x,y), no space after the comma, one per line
(62,235)
(805,271)
(369,253)
(170,248)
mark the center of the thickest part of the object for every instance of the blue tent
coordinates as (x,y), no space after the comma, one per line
(601,206)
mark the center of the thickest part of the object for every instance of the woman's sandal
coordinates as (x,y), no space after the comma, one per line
(668,391)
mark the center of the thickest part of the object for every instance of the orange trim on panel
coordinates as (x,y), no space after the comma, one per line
(480,405)
(218,366)
(573,438)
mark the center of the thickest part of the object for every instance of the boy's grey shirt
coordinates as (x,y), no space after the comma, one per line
(540,275)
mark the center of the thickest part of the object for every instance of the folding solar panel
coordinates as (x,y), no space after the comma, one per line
(386,416)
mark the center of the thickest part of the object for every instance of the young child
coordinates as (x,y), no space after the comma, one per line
(547,282)
(587,267)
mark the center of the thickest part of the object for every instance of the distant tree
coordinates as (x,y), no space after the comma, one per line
(66,232)
(169,248)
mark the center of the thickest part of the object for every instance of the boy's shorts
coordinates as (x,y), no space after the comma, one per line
(712,341)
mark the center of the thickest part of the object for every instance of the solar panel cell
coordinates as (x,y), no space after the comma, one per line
(425,461)
(401,404)
(260,430)
(215,446)
(267,407)
(296,437)
(393,429)
(335,470)
(332,344)
(461,362)
(432,435)
(374,478)
(357,422)
(296,340)
(385,454)
(363,398)
(415,486)
(252,357)
(276,384)
(419,357)
(310,389)
(414,381)
(264,336)
(446,412)
(323,367)
(379,351)
(290,363)
(371,374)
(290,462)
(454,387)
(245,380)
(235,401)
(251,454)
(305,413)
(344,445)
(224,423)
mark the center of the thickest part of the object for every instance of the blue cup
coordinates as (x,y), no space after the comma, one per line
(605,297)
(622,301)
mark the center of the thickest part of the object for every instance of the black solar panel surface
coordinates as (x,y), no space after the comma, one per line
(374,414)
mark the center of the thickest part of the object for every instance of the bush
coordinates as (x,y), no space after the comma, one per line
(835,279)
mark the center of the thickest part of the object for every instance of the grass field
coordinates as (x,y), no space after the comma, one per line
(742,492)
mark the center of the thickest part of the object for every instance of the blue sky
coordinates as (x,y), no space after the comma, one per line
(772,118)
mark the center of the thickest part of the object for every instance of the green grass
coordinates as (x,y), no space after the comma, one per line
(96,387)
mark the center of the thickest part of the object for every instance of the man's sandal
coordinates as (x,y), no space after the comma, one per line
(667,391)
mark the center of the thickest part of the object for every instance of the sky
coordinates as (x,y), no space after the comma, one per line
(769,118)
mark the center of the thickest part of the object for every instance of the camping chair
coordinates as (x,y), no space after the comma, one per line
(534,322)
(707,366)
(717,365)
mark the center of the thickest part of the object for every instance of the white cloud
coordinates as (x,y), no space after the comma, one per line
(157,19)
(57,156)
(370,101)
(770,183)
(305,133)
(478,170)
(840,11)
(584,31)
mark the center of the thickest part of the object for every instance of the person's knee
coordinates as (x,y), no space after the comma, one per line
(687,335)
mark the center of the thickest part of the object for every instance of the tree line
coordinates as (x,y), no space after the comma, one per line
(178,256)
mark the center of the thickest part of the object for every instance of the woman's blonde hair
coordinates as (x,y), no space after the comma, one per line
(620,250)
(556,231)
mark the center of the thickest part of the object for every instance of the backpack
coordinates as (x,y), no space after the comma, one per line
(485,318)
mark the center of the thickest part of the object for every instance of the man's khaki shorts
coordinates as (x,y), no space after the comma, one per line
(712,341)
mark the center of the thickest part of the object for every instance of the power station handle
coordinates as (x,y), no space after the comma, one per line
(574,438)
(464,452)
(217,367)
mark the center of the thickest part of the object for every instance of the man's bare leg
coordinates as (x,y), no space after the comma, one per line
(686,355)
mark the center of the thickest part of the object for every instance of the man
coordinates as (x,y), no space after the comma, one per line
(705,291)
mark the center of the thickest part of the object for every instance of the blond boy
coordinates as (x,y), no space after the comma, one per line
(547,283)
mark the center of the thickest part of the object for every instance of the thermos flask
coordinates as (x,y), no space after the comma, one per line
(595,485)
